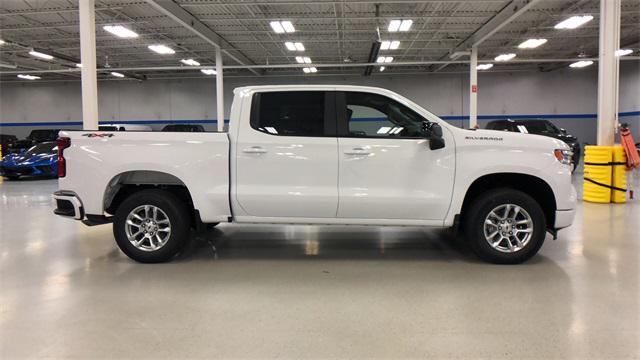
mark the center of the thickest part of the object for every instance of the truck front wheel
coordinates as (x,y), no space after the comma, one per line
(151,226)
(505,226)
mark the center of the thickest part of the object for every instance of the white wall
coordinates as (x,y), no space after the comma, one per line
(559,92)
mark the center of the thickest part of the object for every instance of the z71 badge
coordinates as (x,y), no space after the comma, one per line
(96,135)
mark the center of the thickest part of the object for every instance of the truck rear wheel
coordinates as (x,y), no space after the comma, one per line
(505,226)
(151,226)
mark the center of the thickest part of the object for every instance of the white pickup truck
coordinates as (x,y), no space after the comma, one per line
(319,155)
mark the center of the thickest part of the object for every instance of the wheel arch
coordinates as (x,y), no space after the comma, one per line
(531,185)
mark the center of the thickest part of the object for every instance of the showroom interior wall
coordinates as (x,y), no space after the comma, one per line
(560,92)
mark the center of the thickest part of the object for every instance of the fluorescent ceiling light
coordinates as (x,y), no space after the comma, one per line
(504,57)
(581,64)
(623,52)
(79,65)
(484,66)
(381,68)
(389,45)
(303,60)
(574,22)
(162,49)
(309,70)
(190,62)
(384,59)
(208,71)
(291,46)
(399,25)
(120,31)
(288,26)
(117,74)
(28,77)
(40,55)
(532,43)
(2,42)
(281,27)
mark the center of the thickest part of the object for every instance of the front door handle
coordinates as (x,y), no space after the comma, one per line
(254,150)
(358,151)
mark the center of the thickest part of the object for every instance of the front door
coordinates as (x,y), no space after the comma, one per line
(287,160)
(386,169)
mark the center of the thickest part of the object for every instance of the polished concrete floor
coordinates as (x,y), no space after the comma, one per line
(314,292)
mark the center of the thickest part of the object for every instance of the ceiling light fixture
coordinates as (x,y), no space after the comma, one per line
(117,74)
(78,65)
(504,57)
(623,52)
(384,59)
(40,55)
(484,66)
(309,70)
(581,64)
(208,71)
(303,60)
(399,25)
(381,68)
(28,77)
(532,43)
(573,22)
(297,46)
(280,27)
(190,62)
(390,45)
(162,49)
(120,31)
(2,42)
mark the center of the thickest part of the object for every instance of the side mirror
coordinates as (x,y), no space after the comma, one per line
(563,131)
(433,132)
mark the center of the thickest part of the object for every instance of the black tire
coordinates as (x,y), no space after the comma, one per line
(177,213)
(478,211)
(211,226)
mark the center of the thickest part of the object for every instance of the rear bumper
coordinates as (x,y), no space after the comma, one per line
(68,204)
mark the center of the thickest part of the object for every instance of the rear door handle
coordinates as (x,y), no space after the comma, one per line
(254,150)
(357,151)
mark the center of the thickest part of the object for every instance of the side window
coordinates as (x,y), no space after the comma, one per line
(289,113)
(373,115)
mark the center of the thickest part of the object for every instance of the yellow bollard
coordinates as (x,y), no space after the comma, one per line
(597,171)
(619,177)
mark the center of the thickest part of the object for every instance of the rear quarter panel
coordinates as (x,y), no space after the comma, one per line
(199,160)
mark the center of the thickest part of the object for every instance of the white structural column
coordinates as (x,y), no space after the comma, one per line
(219,90)
(608,72)
(473,88)
(86,11)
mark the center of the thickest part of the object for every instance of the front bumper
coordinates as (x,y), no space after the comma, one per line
(564,218)
(68,204)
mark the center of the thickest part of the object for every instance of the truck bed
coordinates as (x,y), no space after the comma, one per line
(200,161)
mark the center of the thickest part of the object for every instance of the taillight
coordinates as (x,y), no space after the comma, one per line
(63,143)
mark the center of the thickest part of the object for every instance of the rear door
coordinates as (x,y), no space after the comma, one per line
(287,162)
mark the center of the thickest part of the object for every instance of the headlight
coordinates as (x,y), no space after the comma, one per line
(564,156)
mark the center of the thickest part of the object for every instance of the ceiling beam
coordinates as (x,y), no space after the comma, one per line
(193,24)
(506,15)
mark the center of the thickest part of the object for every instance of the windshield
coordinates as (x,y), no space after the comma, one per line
(539,127)
(107,128)
(44,148)
(39,135)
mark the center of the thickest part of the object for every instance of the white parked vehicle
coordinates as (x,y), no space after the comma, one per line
(319,155)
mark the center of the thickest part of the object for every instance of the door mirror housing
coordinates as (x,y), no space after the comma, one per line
(563,131)
(433,132)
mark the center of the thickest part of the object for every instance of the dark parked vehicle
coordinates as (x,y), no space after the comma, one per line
(35,137)
(183,128)
(41,160)
(539,127)
(6,142)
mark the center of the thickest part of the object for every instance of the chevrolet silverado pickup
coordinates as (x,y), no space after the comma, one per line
(319,155)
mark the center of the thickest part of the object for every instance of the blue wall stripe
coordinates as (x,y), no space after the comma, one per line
(196,121)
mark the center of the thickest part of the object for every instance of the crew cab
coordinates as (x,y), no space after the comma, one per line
(319,155)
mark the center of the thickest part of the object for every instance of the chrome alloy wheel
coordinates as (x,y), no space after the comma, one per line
(508,228)
(148,228)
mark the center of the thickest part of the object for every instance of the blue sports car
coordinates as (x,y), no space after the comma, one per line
(41,160)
